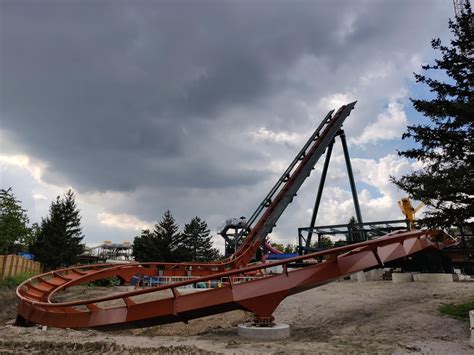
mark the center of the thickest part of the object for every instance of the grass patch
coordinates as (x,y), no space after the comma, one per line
(459,311)
(14,281)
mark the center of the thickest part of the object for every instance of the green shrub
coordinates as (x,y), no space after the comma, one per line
(14,281)
(107,282)
(458,311)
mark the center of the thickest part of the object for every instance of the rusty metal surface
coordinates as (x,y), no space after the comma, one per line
(259,295)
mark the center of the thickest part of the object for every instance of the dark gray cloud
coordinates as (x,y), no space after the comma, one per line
(160,96)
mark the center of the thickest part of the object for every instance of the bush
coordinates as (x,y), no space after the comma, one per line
(107,282)
(458,311)
(14,281)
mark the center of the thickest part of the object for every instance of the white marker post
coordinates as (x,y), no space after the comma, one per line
(471,320)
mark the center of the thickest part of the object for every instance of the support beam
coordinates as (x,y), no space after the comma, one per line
(317,202)
(351,177)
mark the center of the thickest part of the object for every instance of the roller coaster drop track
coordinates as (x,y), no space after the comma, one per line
(166,304)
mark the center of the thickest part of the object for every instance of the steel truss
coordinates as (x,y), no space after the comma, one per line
(258,295)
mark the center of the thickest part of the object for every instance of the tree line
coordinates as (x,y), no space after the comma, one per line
(165,243)
(55,242)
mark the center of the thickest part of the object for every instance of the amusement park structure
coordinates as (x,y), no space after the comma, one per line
(108,252)
(166,303)
(241,285)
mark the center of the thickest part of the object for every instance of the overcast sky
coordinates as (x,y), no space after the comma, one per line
(199,106)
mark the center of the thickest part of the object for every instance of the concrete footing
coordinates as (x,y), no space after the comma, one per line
(411,276)
(371,275)
(377,274)
(359,276)
(471,320)
(374,274)
(461,277)
(278,331)
(398,277)
(433,277)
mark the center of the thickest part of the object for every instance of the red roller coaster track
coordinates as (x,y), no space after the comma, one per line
(165,304)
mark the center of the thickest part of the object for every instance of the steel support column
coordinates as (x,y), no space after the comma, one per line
(351,177)
(317,202)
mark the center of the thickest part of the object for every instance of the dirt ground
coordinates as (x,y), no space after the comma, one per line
(341,317)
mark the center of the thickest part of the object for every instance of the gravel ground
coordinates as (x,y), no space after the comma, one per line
(341,317)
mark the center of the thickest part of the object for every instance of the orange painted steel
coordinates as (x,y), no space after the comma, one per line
(243,255)
(247,250)
(166,304)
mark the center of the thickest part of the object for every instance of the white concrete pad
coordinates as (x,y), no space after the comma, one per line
(361,276)
(433,277)
(278,331)
(471,320)
(398,277)
(374,275)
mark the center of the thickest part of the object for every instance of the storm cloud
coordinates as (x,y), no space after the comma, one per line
(161,100)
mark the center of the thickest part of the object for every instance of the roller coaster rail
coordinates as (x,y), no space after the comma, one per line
(356,231)
(258,295)
(246,287)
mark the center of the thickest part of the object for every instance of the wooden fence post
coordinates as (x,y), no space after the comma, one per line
(2,266)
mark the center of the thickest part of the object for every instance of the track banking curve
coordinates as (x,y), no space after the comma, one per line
(166,303)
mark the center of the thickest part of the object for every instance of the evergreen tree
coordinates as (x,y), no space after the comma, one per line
(58,241)
(445,144)
(167,233)
(159,245)
(196,242)
(28,239)
(289,249)
(145,247)
(14,232)
(324,242)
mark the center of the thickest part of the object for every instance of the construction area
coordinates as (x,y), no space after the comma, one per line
(345,316)
(243,117)
(379,293)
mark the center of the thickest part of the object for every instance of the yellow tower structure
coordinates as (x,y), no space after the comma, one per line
(408,210)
